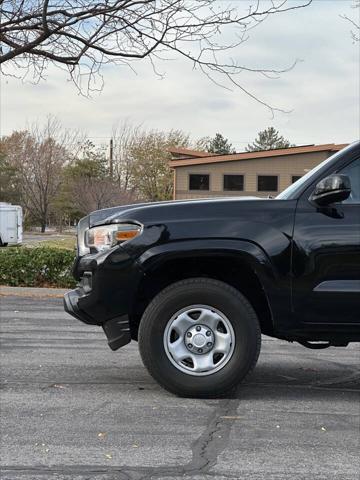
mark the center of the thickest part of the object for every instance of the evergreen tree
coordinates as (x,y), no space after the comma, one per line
(268,139)
(220,145)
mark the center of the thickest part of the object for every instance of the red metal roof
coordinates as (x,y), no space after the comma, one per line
(204,157)
(188,152)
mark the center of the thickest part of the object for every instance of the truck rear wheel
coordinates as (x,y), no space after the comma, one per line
(199,338)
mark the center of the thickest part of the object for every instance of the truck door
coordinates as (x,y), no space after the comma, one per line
(326,258)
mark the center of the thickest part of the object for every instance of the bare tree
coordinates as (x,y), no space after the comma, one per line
(83,36)
(141,159)
(86,185)
(38,155)
(152,176)
(89,194)
(355,24)
(124,136)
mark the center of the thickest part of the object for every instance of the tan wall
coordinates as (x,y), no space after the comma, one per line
(284,167)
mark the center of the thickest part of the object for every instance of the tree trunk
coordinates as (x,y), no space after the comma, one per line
(60,224)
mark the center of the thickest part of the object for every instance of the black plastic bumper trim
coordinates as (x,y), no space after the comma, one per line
(71,306)
(117,331)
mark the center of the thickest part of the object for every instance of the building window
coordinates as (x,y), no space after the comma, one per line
(234,182)
(295,178)
(199,182)
(267,183)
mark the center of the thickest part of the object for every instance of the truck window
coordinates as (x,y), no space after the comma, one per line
(353,172)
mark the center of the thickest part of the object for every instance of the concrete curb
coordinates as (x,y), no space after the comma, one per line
(32,292)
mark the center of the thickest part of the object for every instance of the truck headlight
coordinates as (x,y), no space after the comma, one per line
(107,236)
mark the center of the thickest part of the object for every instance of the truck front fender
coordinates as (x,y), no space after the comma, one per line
(249,252)
(275,284)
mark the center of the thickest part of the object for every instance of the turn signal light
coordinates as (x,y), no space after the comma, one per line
(124,235)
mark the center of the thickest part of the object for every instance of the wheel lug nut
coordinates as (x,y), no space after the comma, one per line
(209,344)
(190,345)
(208,333)
(198,328)
(189,334)
(200,350)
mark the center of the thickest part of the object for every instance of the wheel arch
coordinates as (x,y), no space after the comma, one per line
(245,268)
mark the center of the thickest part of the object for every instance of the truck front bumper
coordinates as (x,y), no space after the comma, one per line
(117,330)
(106,294)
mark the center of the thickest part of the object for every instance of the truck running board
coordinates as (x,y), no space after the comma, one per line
(321,345)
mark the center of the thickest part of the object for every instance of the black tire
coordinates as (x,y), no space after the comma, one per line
(221,297)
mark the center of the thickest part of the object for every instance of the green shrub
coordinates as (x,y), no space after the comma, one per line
(36,267)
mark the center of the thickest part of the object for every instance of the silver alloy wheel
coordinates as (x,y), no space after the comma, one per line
(199,340)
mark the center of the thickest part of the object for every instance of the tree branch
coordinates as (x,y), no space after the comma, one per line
(84,36)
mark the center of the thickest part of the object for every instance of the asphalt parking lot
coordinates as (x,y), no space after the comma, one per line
(72,409)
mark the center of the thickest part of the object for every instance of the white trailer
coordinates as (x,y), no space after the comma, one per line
(11,224)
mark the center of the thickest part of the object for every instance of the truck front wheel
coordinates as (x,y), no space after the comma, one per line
(199,338)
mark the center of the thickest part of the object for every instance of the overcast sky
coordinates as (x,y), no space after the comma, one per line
(322,91)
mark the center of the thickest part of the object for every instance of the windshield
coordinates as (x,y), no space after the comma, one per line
(293,189)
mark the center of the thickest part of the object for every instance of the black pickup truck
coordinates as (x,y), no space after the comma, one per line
(196,283)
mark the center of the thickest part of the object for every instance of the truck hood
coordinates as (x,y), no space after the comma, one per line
(172,210)
(261,221)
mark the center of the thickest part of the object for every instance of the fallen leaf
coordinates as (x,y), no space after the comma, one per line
(277,426)
(135,446)
(323,429)
(58,386)
(107,455)
(102,434)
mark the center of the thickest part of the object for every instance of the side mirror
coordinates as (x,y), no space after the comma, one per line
(334,188)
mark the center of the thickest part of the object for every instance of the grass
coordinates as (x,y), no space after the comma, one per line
(67,243)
